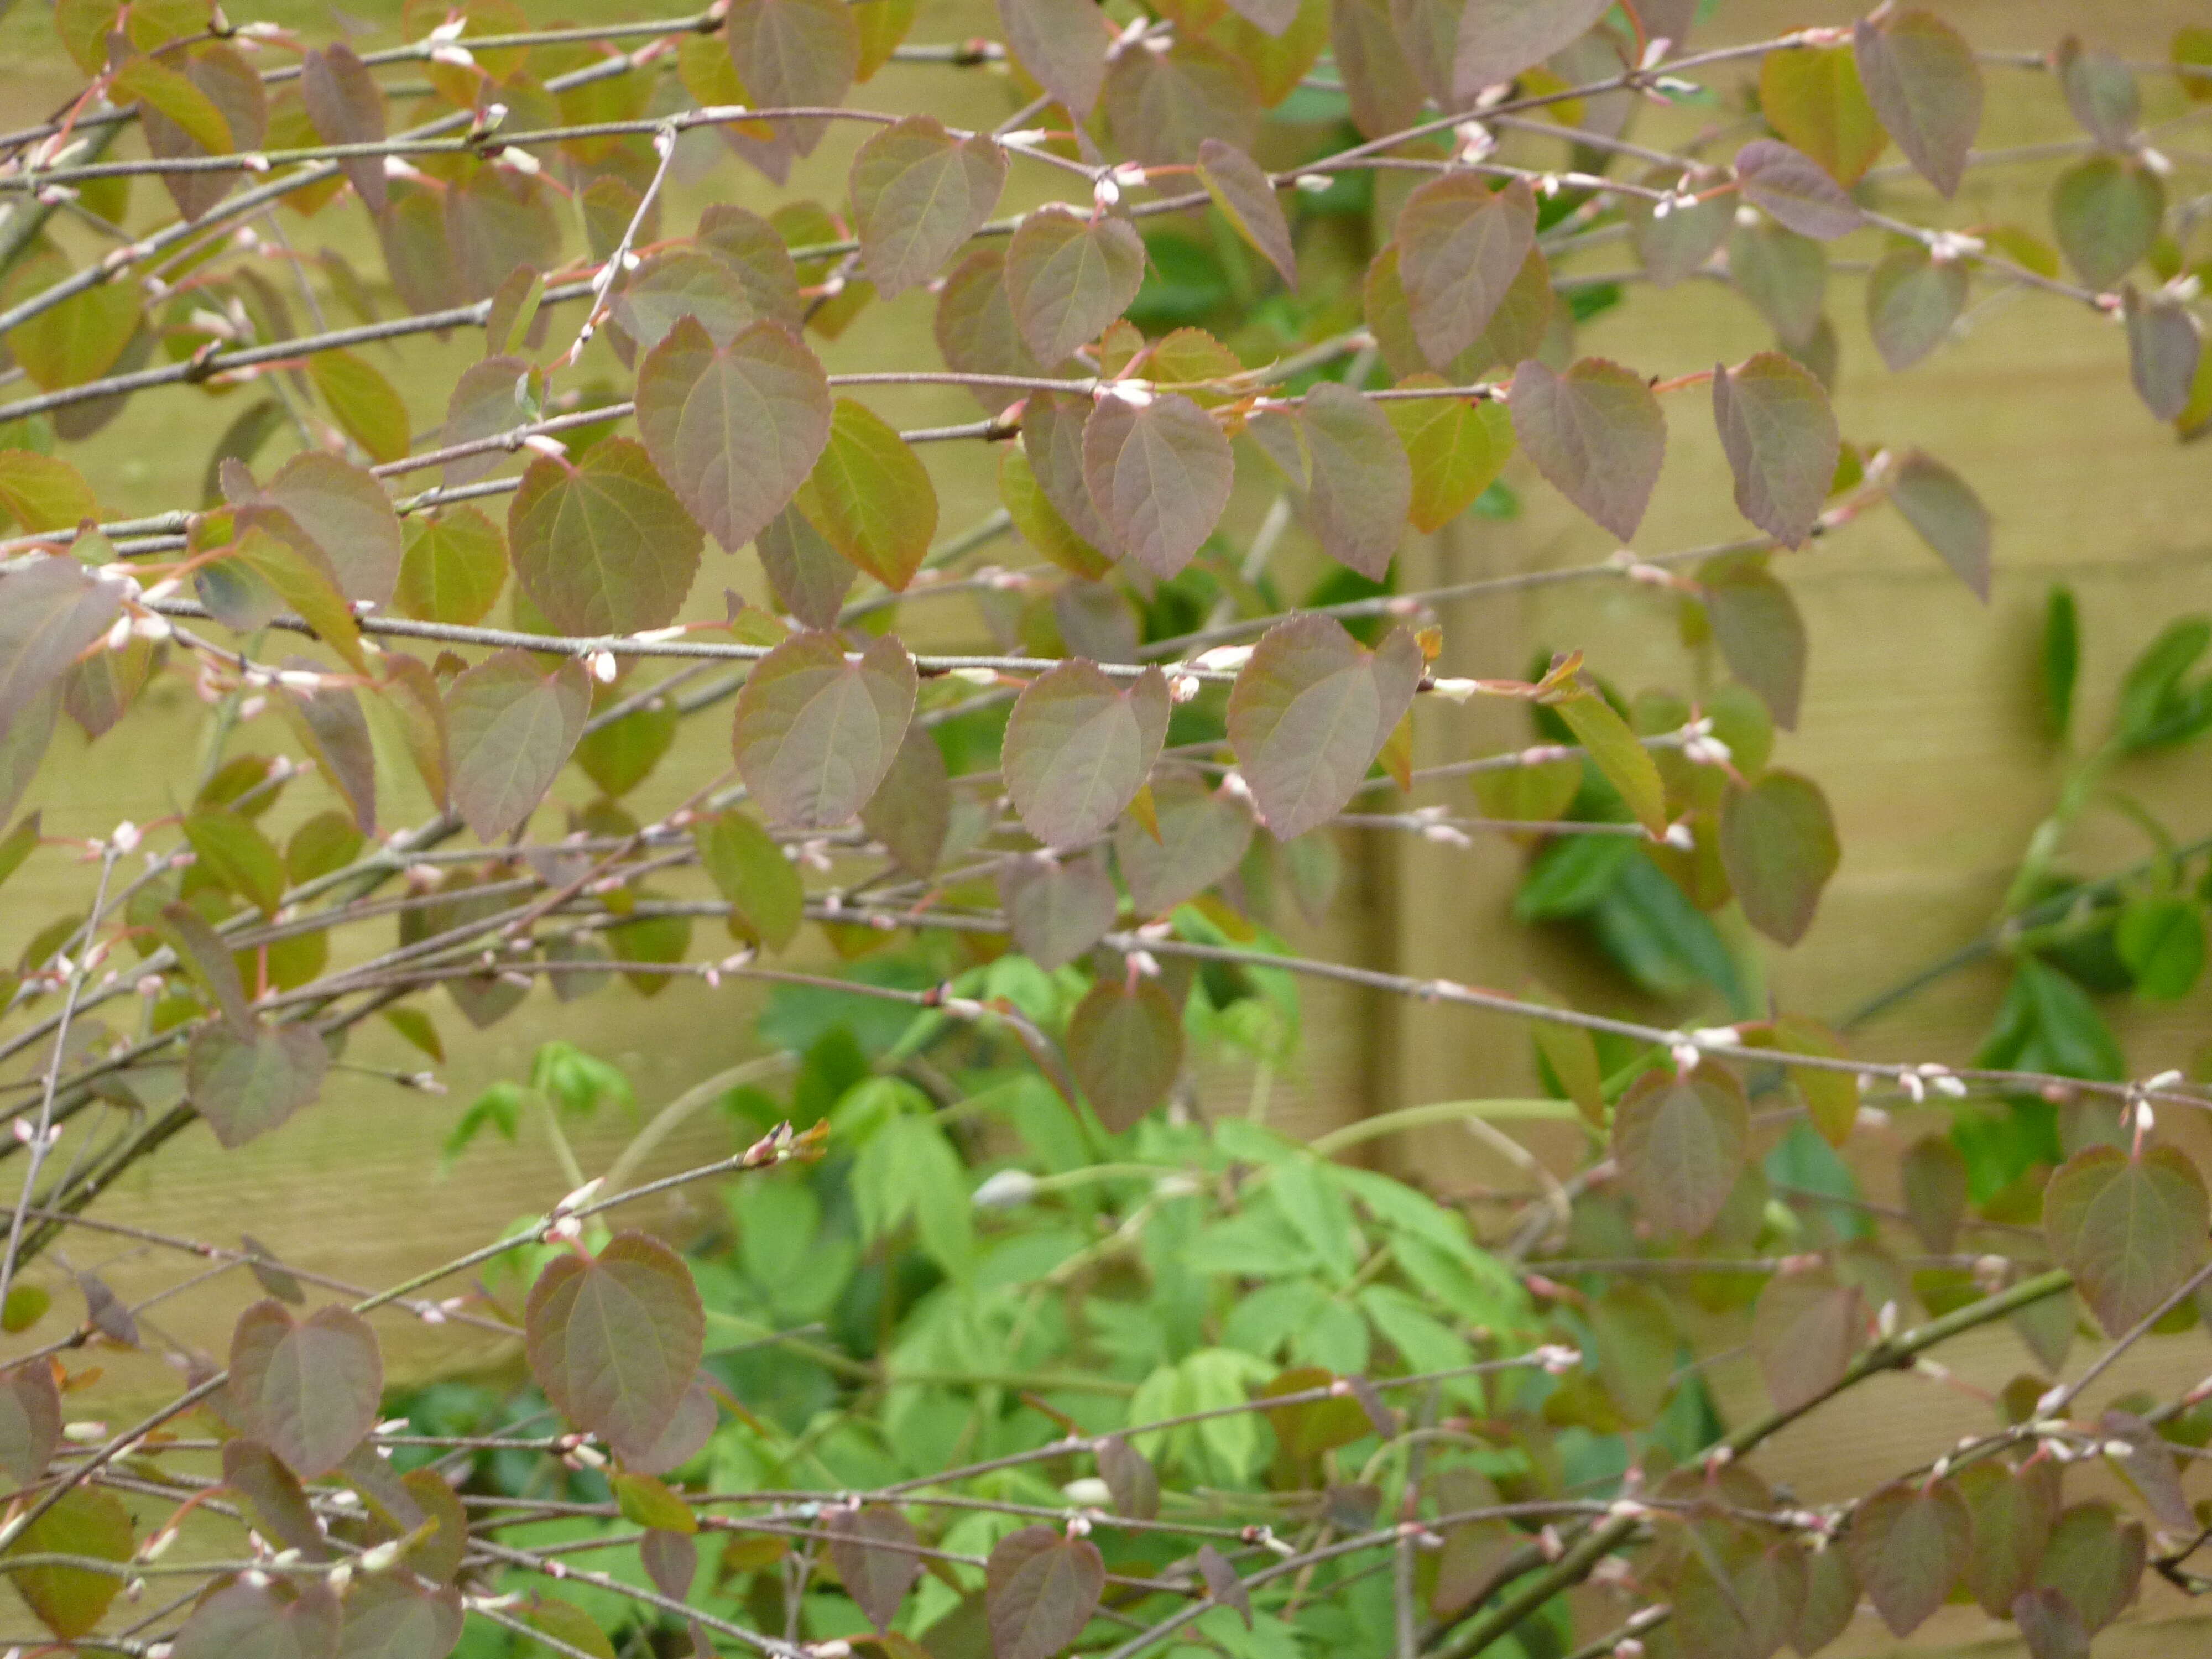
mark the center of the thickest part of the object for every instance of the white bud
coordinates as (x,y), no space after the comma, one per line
(84,1432)
(520,160)
(603,666)
(380,1558)
(1221,659)
(1088,1490)
(1138,394)
(1314,184)
(544,443)
(1007,1189)
(1455,690)
(975,676)
(1181,687)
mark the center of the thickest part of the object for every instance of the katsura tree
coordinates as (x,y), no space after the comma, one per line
(507,350)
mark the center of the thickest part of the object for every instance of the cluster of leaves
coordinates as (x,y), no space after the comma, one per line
(1035,1352)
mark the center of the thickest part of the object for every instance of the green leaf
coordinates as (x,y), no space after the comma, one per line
(1680,1142)
(870,496)
(1039,523)
(1159,473)
(1908,1543)
(1460,245)
(1041,1589)
(615,1339)
(510,729)
(567,1624)
(388,1618)
(684,282)
(1777,843)
(1924,82)
(1804,1330)
(877,1559)
(1619,758)
(1063,45)
(1945,512)
(1595,433)
(19,844)
(1812,98)
(2062,658)
(645,1501)
(1757,626)
(454,567)
(1068,276)
(918,194)
(602,546)
(2095,1561)
(794,53)
(1499,38)
(809,578)
(1912,302)
(750,870)
(622,754)
(363,404)
(41,492)
(1198,836)
(1055,910)
(1791,186)
(1934,1180)
(2129,1230)
(911,811)
(1053,425)
(2012,1511)
(1635,1344)
(1309,712)
(815,733)
(1078,746)
(238,856)
(2101,92)
(755,249)
(30,1420)
(294,569)
(2106,212)
(1455,446)
(734,430)
(307,1389)
(2192,55)
(2162,942)
(79,338)
(86,1521)
(1125,1048)
(2163,350)
(1241,189)
(1782,444)
(145,81)
(51,610)
(1784,276)
(1832,1097)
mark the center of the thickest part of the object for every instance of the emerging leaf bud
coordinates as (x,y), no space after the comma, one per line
(1008,1189)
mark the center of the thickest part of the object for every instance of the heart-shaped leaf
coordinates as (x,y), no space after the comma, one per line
(1680,1142)
(1358,488)
(793,54)
(387,1618)
(917,194)
(1078,746)
(736,430)
(50,610)
(1908,1543)
(1595,433)
(615,1339)
(1811,95)
(750,870)
(1804,1330)
(877,1557)
(1055,910)
(346,107)
(454,567)
(2093,1561)
(1310,711)
(1159,472)
(2012,1511)
(250,1621)
(1199,837)
(1455,446)
(1052,445)
(1499,38)
(1125,1048)
(2163,350)
(246,1083)
(1041,1588)
(1062,43)
(1460,244)
(2106,212)
(1777,843)
(273,1497)
(1758,628)
(307,1389)
(510,729)
(1068,276)
(2129,1230)
(815,733)
(1782,443)
(870,497)
(601,546)
(86,1521)
(1924,82)
(911,811)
